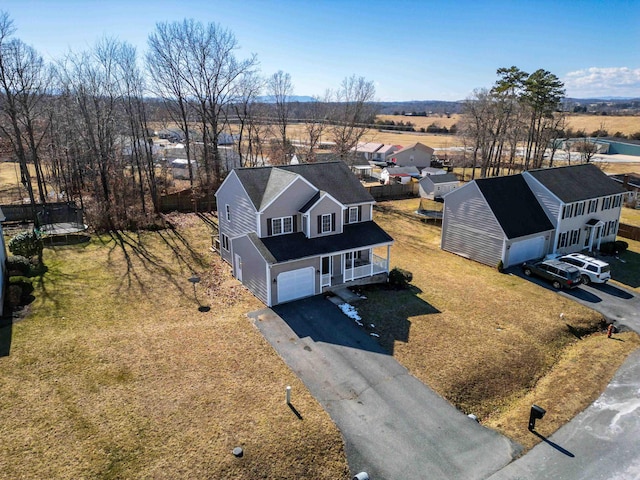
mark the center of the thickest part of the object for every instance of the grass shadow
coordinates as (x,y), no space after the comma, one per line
(295,411)
(554,445)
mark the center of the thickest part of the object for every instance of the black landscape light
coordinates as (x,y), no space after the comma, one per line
(536,413)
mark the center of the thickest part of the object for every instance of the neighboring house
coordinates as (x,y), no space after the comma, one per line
(417,155)
(298,230)
(436,186)
(630,182)
(495,219)
(365,151)
(398,175)
(384,152)
(526,216)
(583,203)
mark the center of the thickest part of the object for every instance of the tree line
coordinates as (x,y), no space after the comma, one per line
(510,126)
(79,127)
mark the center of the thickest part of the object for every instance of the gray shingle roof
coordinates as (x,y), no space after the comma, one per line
(444,178)
(575,183)
(514,205)
(264,183)
(282,248)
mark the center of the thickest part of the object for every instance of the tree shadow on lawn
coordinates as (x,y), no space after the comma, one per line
(132,245)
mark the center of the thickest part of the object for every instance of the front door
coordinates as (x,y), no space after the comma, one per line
(238,267)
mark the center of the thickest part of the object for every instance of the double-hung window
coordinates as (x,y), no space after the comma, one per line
(281,225)
(327,224)
(353,214)
(228,212)
(225,242)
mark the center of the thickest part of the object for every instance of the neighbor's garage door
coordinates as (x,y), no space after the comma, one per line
(526,250)
(296,284)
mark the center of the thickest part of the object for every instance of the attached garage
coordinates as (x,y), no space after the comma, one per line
(296,284)
(523,250)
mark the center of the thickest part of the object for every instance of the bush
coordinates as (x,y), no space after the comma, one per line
(20,288)
(500,266)
(621,246)
(400,278)
(18,265)
(27,244)
(614,248)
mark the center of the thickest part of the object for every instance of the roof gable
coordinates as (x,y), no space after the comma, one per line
(574,183)
(264,184)
(416,146)
(514,205)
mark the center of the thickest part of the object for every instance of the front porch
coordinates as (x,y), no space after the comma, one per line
(353,266)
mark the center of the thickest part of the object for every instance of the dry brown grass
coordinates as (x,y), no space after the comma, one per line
(114,373)
(482,339)
(612,123)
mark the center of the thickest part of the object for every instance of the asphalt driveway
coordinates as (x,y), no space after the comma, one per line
(393,425)
(616,304)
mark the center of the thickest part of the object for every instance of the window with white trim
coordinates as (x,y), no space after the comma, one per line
(281,225)
(326,223)
(593,206)
(225,242)
(606,203)
(580,208)
(562,240)
(574,238)
(228,212)
(353,214)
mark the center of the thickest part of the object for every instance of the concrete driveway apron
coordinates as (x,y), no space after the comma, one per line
(393,425)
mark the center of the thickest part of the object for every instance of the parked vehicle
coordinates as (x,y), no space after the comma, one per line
(560,274)
(591,269)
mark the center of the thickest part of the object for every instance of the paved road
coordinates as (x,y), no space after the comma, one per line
(618,305)
(394,426)
(603,442)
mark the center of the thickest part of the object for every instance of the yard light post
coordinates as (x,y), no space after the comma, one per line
(195,279)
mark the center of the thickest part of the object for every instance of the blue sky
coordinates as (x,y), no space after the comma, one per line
(412,50)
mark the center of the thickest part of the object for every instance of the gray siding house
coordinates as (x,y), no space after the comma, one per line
(521,217)
(495,219)
(416,155)
(437,186)
(298,230)
(583,203)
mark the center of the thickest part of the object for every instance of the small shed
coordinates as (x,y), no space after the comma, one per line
(180,168)
(436,186)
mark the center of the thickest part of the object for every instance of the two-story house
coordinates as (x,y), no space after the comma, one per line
(521,217)
(298,230)
(583,203)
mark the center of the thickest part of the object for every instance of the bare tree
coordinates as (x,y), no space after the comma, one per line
(351,114)
(315,125)
(279,87)
(249,113)
(23,84)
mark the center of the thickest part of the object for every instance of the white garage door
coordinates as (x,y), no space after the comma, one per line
(296,284)
(526,250)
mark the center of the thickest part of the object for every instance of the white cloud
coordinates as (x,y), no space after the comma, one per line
(601,82)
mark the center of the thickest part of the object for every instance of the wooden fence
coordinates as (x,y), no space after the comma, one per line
(395,191)
(629,231)
(184,201)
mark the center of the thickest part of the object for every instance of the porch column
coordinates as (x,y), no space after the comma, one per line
(371,262)
(388,257)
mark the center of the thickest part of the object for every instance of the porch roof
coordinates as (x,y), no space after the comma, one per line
(284,248)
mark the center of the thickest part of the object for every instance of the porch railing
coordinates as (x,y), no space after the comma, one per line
(380,264)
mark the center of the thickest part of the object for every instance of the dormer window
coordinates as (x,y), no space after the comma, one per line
(353,214)
(281,225)
(327,223)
